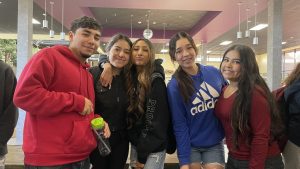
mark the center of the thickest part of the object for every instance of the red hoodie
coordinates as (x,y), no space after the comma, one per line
(51,89)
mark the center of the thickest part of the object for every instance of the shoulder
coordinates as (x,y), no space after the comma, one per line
(211,70)
(4,66)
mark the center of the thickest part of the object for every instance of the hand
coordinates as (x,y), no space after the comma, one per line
(107,75)
(139,165)
(88,107)
(185,166)
(106,131)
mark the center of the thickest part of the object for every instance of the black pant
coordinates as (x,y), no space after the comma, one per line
(84,164)
(119,151)
(270,163)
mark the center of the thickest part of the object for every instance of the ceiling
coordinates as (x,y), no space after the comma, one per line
(209,22)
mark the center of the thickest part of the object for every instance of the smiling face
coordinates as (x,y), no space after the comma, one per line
(140,53)
(119,54)
(230,66)
(185,53)
(84,42)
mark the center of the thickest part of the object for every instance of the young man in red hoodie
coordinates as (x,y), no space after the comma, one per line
(56,91)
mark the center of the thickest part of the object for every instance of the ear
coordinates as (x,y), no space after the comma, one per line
(71,36)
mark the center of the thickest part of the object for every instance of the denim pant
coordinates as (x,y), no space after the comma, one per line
(270,163)
(2,162)
(84,164)
(291,155)
(154,160)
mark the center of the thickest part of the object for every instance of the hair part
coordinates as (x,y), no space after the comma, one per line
(184,80)
(248,81)
(85,22)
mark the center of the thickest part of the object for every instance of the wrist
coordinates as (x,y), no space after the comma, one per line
(104,63)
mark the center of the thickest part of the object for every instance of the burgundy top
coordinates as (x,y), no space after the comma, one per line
(259,148)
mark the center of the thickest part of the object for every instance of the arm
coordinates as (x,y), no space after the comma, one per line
(180,126)
(260,125)
(106,75)
(33,95)
(154,132)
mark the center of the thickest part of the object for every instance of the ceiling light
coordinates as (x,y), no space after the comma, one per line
(36,22)
(164,51)
(283,43)
(198,45)
(153,22)
(259,27)
(226,43)
(208,51)
(139,22)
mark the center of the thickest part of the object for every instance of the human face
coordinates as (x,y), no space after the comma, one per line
(119,54)
(230,66)
(185,54)
(140,53)
(84,42)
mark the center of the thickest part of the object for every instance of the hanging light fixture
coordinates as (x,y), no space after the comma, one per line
(255,39)
(131,16)
(148,33)
(45,22)
(62,33)
(247,32)
(164,50)
(239,34)
(51,33)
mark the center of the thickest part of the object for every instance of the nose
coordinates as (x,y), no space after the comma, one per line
(185,52)
(140,52)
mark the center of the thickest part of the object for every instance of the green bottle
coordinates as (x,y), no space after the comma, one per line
(102,142)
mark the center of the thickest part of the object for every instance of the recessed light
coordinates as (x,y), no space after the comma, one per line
(36,22)
(208,51)
(283,43)
(164,51)
(139,22)
(259,27)
(153,22)
(225,43)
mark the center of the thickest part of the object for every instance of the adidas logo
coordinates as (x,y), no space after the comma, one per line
(209,97)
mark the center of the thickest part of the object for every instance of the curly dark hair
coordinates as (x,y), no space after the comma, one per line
(85,22)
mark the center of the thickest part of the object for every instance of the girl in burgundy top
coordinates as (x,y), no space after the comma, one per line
(246,110)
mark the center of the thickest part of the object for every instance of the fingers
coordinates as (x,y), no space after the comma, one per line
(106,131)
(88,107)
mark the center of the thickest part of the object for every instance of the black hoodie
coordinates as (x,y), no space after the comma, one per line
(8,111)
(292,97)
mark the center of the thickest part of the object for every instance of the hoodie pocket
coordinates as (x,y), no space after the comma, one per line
(81,140)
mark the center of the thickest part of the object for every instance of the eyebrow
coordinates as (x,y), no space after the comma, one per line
(116,46)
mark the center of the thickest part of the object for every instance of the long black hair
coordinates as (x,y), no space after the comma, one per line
(185,82)
(248,81)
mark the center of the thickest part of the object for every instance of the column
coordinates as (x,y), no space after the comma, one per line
(24,51)
(274,51)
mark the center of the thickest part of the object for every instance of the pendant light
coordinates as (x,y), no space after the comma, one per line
(239,34)
(45,22)
(164,50)
(131,16)
(255,39)
(51,33)
(247,32)
(148,33)
(62,33)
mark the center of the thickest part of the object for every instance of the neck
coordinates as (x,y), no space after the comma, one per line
(191,70)
(115,71)
(77,55)
(233,84)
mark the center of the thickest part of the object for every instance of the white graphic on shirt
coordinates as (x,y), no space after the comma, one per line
(209,97)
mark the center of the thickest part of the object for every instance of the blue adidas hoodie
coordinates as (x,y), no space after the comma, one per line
(194,122)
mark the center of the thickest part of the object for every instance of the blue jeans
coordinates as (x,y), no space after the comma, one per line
(84,164)
(213,154)
(270,163)
(154,160)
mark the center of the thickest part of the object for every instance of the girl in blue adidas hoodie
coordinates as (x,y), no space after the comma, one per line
(192,93)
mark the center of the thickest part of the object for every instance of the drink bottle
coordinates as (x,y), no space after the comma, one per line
(102,142)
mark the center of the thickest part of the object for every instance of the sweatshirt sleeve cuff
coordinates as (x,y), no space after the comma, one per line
(184,161)
(142,159)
